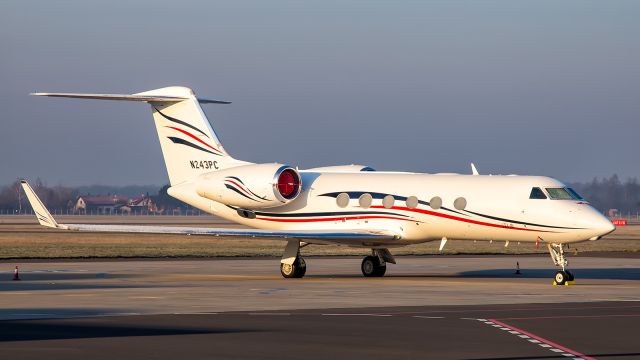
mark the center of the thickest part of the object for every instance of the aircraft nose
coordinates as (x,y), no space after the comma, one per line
(601,226)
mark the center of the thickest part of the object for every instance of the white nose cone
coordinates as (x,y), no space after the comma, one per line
(601,226)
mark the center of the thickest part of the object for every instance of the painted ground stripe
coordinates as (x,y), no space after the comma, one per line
(552,346)
(378,315)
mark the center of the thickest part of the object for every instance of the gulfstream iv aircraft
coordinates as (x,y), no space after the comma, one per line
(347,205)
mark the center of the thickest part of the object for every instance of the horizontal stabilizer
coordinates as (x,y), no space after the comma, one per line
(125,97)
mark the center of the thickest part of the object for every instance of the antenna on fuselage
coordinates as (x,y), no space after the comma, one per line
(474,171)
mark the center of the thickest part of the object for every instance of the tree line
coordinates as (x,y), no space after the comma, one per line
(603,194)
(611,193)
(63,198)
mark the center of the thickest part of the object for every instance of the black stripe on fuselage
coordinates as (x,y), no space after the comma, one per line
(185,142)
(521,222)
(254,194)
(239,192)
(180,122)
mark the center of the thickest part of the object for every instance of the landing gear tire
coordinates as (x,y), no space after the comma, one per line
(373,267)
(295,270)
(570,275)
(562,277)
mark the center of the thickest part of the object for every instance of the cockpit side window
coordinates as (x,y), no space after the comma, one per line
(537,193)
(559,194)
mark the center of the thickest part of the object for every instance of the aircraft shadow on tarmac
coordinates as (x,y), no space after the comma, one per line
(64,329)
(626,273)
(580,273)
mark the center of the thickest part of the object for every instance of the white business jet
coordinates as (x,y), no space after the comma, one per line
(349,205)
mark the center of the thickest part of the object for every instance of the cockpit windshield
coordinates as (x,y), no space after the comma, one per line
(563,194)
(575,194)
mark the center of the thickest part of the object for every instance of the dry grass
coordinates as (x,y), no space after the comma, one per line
(21,237)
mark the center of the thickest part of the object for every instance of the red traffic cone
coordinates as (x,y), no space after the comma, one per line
(16,274)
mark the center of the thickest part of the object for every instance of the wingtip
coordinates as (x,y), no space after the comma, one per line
(23,181)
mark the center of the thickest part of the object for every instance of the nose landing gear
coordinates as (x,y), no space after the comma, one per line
(564,276)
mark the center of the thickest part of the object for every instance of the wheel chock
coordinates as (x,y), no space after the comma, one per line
(566,283)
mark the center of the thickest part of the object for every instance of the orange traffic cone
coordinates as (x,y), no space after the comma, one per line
(16,274)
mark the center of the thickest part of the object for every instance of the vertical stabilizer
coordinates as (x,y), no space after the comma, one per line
(189,145)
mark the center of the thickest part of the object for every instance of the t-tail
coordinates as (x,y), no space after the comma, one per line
(189,144)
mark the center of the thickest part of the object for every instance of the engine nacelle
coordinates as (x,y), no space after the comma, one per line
(255,186)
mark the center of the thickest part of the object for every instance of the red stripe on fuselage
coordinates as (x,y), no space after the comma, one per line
(194,138)
(340,218)
(451,217)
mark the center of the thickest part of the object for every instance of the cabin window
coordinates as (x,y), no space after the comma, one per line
(559,194)
(460,203)
(342,200)
(536,193)
(365,200)
(412,202)
(435,202)
(388,201)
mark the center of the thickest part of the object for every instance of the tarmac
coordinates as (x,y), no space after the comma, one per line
(444,307)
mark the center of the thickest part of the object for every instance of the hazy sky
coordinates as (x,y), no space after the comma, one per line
(527,87)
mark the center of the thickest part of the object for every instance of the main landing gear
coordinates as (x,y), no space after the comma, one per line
(375,265)
(292,264)
(564,276)
(295,270)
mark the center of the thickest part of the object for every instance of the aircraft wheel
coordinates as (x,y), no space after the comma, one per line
(371,267)
(570,275)
(561,277)
(295,270)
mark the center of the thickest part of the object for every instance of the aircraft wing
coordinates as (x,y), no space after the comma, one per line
(311,236)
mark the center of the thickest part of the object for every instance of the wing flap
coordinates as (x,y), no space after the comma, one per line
(325,235)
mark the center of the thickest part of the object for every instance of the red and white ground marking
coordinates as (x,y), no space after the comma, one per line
(535,339)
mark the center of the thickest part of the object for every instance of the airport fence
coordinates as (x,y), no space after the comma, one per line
(54,212)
